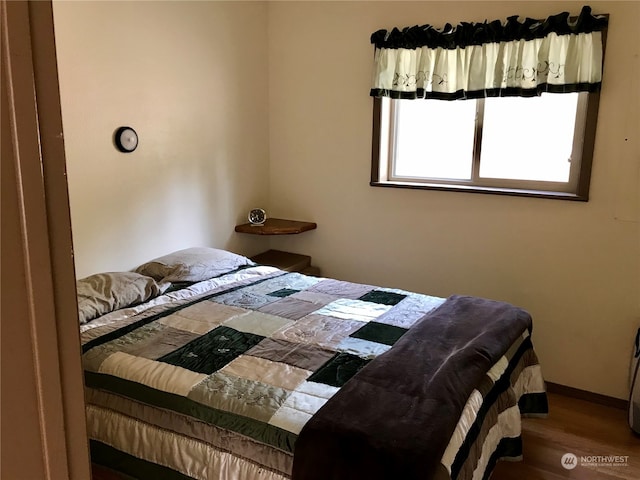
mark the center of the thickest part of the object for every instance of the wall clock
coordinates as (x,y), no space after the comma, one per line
(257,216)
(126,139)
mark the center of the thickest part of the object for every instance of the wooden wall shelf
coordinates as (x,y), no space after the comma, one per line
(276,226)
(290,262)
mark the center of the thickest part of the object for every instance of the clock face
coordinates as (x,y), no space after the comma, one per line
(257,216)
(126,139)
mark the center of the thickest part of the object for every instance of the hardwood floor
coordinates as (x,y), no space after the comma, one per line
(580,427)
(575,426)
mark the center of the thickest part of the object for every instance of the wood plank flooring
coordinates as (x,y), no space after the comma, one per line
(579,427)
(573,426)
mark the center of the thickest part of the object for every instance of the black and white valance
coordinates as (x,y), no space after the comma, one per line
(490,59)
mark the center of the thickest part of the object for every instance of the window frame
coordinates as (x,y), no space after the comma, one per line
(381,176)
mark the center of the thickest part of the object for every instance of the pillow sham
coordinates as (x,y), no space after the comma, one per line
(193,265)
(102,293)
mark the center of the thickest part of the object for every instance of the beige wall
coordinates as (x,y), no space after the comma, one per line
(188,76)
(216,139)
(575,266)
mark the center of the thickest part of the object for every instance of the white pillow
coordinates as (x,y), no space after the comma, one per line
(105,292)
(193,265)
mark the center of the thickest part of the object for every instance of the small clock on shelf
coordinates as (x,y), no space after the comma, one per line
(257,216)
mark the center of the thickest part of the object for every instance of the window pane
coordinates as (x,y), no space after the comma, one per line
(528,138)
(434,138)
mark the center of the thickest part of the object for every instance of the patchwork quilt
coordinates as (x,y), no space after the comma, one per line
(218,380)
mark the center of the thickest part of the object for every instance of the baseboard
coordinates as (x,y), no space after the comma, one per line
(588,396)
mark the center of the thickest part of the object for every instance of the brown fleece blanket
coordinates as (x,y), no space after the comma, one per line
(394,419)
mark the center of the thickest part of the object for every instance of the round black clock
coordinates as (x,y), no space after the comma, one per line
(126,139)
(257,216)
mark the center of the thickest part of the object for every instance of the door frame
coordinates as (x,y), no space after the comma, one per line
(47,310)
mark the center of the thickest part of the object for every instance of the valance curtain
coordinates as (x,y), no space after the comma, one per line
(490,59)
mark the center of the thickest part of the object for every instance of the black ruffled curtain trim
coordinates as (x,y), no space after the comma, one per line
(465,33)
(487,93)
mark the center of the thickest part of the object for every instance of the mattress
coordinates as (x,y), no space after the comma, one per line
(241,377)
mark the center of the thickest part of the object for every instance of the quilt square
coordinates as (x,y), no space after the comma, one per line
(321,390)
(245,298)
(319,330)
(93,358)
(304,402)
(296,411)
(294,281)
(337,371)
(341,289)
(290,419)
(318,298)
(300,406)
(382,297)
(201,317)
(210,312)
(307,357)
(158,375)
(258,323)
(213,350)
(299,281)
(241,396)
(410,310)
(353,310)
(266,371)
(362,348)
(379,333)
(289,308)
(165,341)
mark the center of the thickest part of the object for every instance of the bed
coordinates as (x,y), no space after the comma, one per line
(204,365)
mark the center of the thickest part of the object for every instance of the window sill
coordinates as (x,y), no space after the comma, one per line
(478,189)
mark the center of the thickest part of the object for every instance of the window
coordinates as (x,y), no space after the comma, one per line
(533,146)
(506,107)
